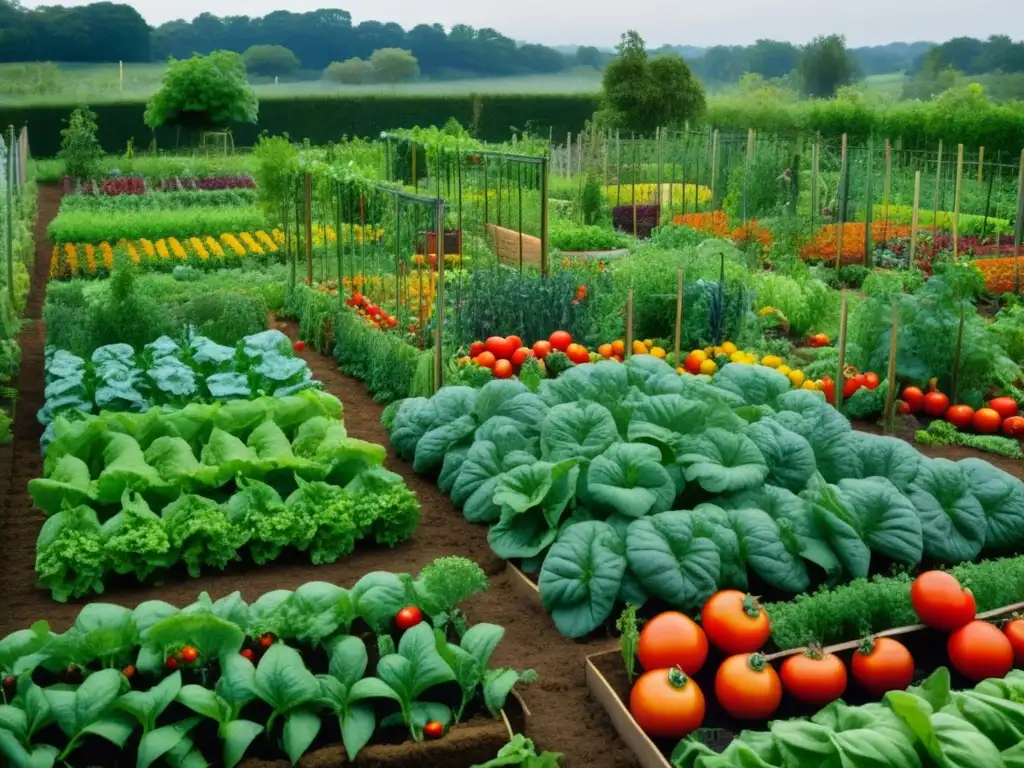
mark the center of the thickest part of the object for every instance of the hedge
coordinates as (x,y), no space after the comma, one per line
(322,119)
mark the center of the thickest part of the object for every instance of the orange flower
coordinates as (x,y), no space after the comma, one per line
(999,273)
(581,292)
(108,255)
(90,259)
(716,223)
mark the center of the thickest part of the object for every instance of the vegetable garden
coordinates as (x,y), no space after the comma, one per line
(723,497)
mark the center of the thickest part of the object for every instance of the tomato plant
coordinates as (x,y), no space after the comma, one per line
(735,622)
(987,421)
(408,617)
(940,602)
(979,650)
(748,687)
(960,416)
(671,639)
(814,677)
(1004,406)
(665,703)
(1014,631)
(560,340)
(882,664)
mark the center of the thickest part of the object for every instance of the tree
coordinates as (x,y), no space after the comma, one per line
(393,65)
(825,65)
(204,92)
(640,95)
(270,60)
(589,56)
(352,71)
(79,147)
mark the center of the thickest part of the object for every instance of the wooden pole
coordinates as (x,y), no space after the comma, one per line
(629,324)
(887,190)
(915,216)
(841,363)
(632,186)
(9,170)
(956,200)
(657,150)
(415,181)
(714,169)
(1019,231)
(935,196)
(618,168)
(981,165)
(890,396)
(309,226)
(954,389)
(815,163)
(841,202)
(544,170)
(439,311)
(679,316)
(869,240)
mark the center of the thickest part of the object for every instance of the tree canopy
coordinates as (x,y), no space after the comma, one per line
(825,66)
(270,60)
(204,92)
(393,65)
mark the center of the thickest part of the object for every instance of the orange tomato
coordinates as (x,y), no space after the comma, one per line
(666,704)
(692,362)
(618,348)
(735,622)
(1014,426)
(671,639)
(980,650)
(485,359)
(515,341)
(882,664)
(560,340)
(578,354)
(503,369)
(747,687)
(1004,406)
(814,677)
(1014,631)
(520,355)
(605,350)
(960,416)
(987,421)
(541,349)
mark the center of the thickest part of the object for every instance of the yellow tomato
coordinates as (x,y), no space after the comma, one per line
(648,343)
(728,348)
(699,355)
(680,370)
(639,348)
(784,370)
(797,377)
(771,361)
(751,358)
(735,356)
(708,367)
(658,352)
(765,311)
(809,385)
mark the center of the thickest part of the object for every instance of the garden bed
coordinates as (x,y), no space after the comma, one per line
(610,687)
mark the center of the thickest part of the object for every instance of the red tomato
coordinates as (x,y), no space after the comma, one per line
(935,404)
(671,639)
(814,677)
(1014,631)
(515,341)
(485,359)
(882,664)
(247,653)
(298,346)
(266,640)
(433,730)
(408,617)
(940,602)
(578,354)
(735,622)
(189,654)
(820,340)
(903,407)
(171,663)
(979,650)
(748,687)
(128,671)
(541,349)
(666,703)
(560,340)
(1014,426)
(852,384)
(914,398)
(520,355)
(960,416)
(1004,406)
(503,369)
(829,388)
(501,348)
(692,363)
(987,421)
(476,348)
(871,380)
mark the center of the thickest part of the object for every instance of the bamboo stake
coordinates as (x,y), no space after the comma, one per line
(957,351)
(869,241)
(956,200)
(915,217)
(632,186)
(618,168)
(887,190)
(439,311)
(657,150)
(815,162)
(714,168)
(935,196)
(890,396)
(981,164)
(1019,232)
(679,315)
(309,227)
(841,202)
(629,325)
(841,363)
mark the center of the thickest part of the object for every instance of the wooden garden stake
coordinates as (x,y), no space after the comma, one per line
(840,377)
(632,186)
(815,162)
(841,202)
(1019,232)
(890,396)
(869,243)
(915,216)
(568,155)
(714,167)
(9,170)
(887,189)
(657,150)
(955,381)
(309,227)
(415,181)
(629,324)
(981,164)
(679,315)
(935,197)
(439,311)
(618,168)
(956,200)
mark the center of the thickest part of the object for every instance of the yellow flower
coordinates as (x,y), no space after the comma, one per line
(54,260)
(72,253)
(278,236)
(267,241)
(176,249)
(147,248)
(199,248)
(90,259)
(133,254)
(108,255)
(232,242)
(764,311)
(161,249)
(215,248)
(251,244)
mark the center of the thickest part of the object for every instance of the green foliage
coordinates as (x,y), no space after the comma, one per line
(204,92)
(79,146)
(825,65)
(226,317)
(943,433)
(522,752)
(270,60)
(190,198)
(383,361)
(566,237)
(592,203)
(640,95)
(806,303)
(354,71)
(86,226)
(393,65)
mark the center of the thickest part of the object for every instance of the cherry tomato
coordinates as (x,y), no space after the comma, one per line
(671,639)
(960,416)
(128,671)
(882,664)
(667,704)
(979,650)
(476,348)
(747,687)
(189,654)
(871,380)
(735,622)
(914,398)
(171,663)
(814,677)
(247,653)
(940,602)
(433,730)
(266,640)
(298,346)
(408,617)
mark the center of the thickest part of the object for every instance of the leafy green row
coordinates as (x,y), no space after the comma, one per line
(159,201)
(84,226)
(277,698)
(926,725)
(118,379)
(602,479)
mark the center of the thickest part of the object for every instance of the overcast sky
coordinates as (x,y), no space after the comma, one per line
(865,22)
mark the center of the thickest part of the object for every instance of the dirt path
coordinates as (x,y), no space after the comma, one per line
(564,718)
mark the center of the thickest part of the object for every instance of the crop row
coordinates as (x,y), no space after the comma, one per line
(158,201)
(84,226)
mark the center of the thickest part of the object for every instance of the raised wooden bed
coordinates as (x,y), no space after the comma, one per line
(506,243)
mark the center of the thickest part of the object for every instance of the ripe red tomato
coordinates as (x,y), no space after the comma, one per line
(408,617)
(171,663)
(987,421)
(1004,406)
(578,354)
(814,677)
(940,602)
(903,407)
(882,664)
(914,398)
(128,671)
(735,622)
(189,654)
(748,687)
(247,653)
(298,346)
(871,380)
(979,650)
(515,341)
(520,355)
(501,348)
(665,703)
(1014,426)
(1014,631)
(960,416)
(671,639)
(692,362)
(266,640)
(935,404)
(560,340)
(433,730)
(541,349)
(829,388)
(819,340)
(854,383)
(485,359)
(476,348)
(503,369)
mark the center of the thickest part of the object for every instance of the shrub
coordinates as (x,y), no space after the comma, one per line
(647,218)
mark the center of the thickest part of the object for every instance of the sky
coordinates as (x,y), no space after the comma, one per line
(720,22)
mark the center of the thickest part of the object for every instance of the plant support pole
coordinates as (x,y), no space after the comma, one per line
(956,206)
(890,396)
(308,213)
(915,216)
(439,311)
(679,316)
(10,217)
(841,362)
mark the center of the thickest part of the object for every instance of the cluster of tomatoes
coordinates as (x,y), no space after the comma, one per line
(853,380)
(999,413)
(376,316)
(818,340)
(504,355)
(666,703)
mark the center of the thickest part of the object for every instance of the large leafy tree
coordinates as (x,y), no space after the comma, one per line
(393,65)
(204,92)
(642,93)
(270,60)
(825,65)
